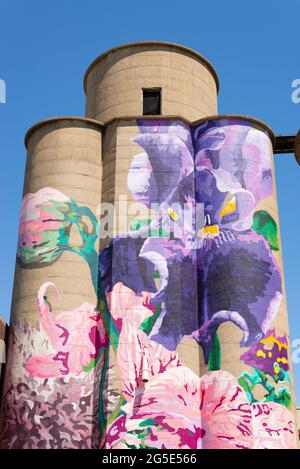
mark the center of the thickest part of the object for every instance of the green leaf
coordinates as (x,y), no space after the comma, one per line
(214,362)
(147,422)
(137,224)
(148,323)
(265,225)
(91,365)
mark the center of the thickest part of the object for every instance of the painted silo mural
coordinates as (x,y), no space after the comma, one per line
(206,259)
(203,265)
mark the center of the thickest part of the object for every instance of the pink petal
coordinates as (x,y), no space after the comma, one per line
(43,366)
(225,412)
(274,426)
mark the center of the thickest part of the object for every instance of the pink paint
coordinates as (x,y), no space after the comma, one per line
(75,335)
(125,305)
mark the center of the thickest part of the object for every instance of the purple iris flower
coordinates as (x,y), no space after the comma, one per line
(215,272)
(269,355)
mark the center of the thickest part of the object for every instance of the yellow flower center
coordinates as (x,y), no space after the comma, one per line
(209,230)
(173,214)
(229,207)
(260,353)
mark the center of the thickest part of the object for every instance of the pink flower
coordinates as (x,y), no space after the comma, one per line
(130,310)
(44,222)
(75,336)
(177,409)
(273,426)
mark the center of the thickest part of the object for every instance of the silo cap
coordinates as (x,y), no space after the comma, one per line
(153,45)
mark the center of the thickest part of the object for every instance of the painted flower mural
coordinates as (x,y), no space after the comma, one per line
(273,426)
(269,359)
(111,375)
(130,310)
(51,399)
(47,413)
(44,225)
(226,259)
(75,336)
(239,157)
(230,266)
(207,412)
(210,412)
(269,354)
(44,231)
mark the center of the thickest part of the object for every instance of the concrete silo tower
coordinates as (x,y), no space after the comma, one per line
(149,307)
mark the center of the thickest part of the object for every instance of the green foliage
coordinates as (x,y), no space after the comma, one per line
(214,362)
(148,323)
(147,422)
(265,225)
(91,365)
(139,224)
(249,381)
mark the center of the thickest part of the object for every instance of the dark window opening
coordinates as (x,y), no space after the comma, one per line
(152,102)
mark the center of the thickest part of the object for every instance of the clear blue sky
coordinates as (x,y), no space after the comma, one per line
(47,46)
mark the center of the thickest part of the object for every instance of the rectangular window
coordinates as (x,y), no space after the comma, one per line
(151,102)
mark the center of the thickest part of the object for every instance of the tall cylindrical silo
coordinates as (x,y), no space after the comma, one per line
(114,84)
(49,401)
(206,301)
(198,284)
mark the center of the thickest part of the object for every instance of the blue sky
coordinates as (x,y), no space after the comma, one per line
(45,48)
